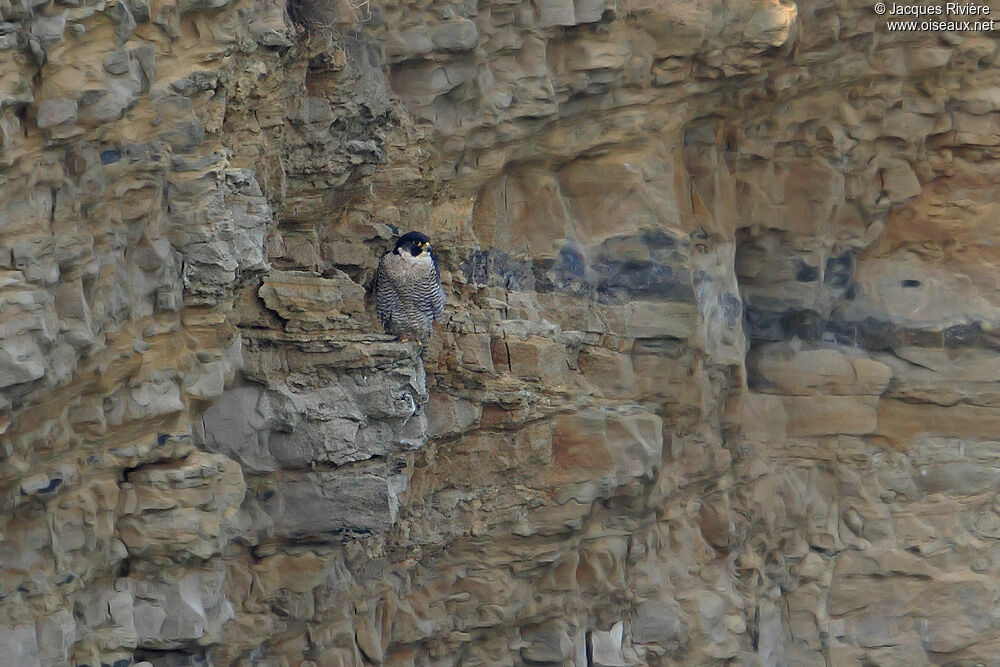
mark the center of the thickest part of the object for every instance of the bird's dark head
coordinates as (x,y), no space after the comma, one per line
(413,243)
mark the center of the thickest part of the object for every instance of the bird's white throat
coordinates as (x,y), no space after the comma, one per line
(423,259)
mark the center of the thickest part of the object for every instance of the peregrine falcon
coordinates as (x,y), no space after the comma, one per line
(408,293)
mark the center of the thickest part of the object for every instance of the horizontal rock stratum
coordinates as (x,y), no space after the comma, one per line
(718,380)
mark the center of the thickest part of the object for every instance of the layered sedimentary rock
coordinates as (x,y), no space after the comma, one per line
(717,380)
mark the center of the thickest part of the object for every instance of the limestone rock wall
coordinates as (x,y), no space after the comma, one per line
(717,381)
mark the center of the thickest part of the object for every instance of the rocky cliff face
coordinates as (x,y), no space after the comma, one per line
(718,379)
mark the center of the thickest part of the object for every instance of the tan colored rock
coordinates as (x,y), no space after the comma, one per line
(646,215)
(762,415)
(186,508)
(476,354)
(899,180)
(610,372)
(537,359)
(584,182)
(446,414)
(648,319)
(797,195)
(596,447)
(943,377)
(310,303)
(900,422)
(830,415)
(781,369)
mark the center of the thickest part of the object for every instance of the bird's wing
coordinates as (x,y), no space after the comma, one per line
(436,296)
(386,297)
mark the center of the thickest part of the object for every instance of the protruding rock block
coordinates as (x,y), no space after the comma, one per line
(661,319)
(552,13)
(448,415)
(538,359)
(311,303)
(476,353)
(546,643)
(658,622)
(179,608)
(187,508)
(353,409)
(606,646)
(455,35)
(333,505)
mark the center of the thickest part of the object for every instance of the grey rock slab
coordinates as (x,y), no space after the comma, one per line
(408,43)
(8,36)
(125,23)
(226,225)
(21,360)
(352,416)
(238,424)
(321,504)
(55,112)
(172,611)
(104,105)
(117,62)
(56,635)
(606,647)
(657,622)
(456,35)
(552,13)
(19,645)
(546,643)
(49,29)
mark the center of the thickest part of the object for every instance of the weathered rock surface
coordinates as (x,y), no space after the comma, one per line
(718,380)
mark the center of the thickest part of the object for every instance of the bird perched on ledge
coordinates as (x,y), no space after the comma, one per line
(408,293)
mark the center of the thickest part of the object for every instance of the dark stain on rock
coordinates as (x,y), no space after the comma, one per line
(647,279)
(869,333)
(500,269)
(732,308)
(763,324)
(839,270)
(110,156)
(964,335)
(806,273)
(655,238)
(804,324)
(571,262)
